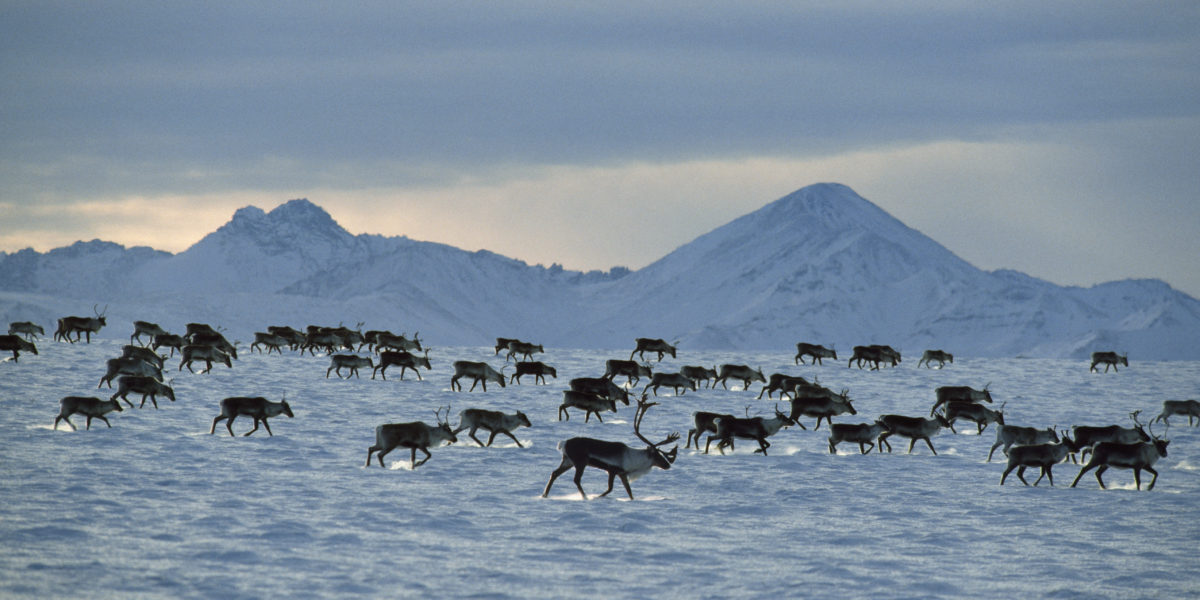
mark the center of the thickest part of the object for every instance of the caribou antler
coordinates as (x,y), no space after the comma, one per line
(438,415)
(642,407)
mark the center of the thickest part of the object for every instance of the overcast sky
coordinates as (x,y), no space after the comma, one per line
(1059,139)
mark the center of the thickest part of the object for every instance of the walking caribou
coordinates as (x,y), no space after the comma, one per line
(1010,435)
(16,344)
(676,381)
(940,356)
(477,371)
(817,352)
(632,371)
(959,393)
(1044,456)
(146,386)
(862,433)
(699,374)
(28,329)
(1187,408)
(91,407)
(414,436)
(704,422)
(257,408)
(1108,359)
(979,414)
(601,386)
(493,421)
(742,372)
(538,369)
(349,361)
(404,360)
(615,458)
(914,428)
(1138,456)
(753,428)
(588,402)
(522,349)
(147,329)
(645,345)
(80,326)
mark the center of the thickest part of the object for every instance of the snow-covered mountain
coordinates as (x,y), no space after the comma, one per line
(822,264)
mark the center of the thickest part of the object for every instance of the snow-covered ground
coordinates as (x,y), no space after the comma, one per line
(158,507)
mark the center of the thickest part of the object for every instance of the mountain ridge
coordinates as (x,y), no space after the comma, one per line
(821,264)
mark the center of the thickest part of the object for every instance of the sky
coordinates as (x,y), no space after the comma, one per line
(1058,139)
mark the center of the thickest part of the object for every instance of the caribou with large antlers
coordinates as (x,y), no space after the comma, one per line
(414,436)
(1138,456)
(81,326)
(615,458)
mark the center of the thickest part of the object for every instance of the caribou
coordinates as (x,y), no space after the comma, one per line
(1188,408)
(742,372)
(752,428)
(257,408)
(385,340)
(147,329)
(601,386)
(959,393)
(493,421)
(502,344)
(349,361)
(815,351)
(294,338)
(1044,455)
(1108,359)
(1010,435)
(80,326)
(632,371)
(16,344)
(699,374)
(477,371)
(146,386)
(940,356)
(170,340)
(781,382)
(588,402)
(1138,456)
(1088,436)
(26,328)
(538,369)
(213,339)
(208,354)
(676,381)
(144,354)
(862,433)
(979,414)
(822,403)
(874,354)
(914,428)
(616,458)
(645,345)
(271,341)
(704,422)
(523,349)
(127,365)
(404,360)
(90,406)
(414,436)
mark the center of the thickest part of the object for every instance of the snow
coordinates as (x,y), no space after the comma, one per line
(155,506)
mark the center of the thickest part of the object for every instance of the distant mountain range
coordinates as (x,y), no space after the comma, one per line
(822,265)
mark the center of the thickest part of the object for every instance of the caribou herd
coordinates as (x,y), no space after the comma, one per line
(140,370)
